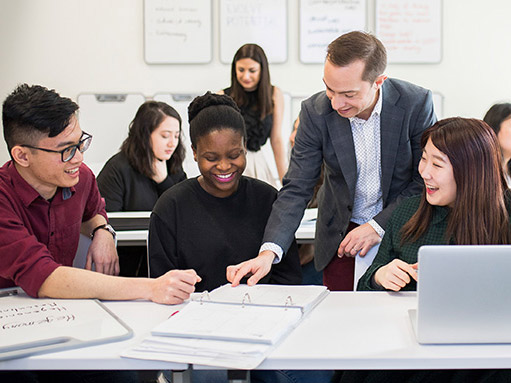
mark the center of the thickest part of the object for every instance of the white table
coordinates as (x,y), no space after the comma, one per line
(141,316)
(346,331)
(367,330)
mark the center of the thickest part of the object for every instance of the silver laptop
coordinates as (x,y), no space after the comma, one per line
(464,295)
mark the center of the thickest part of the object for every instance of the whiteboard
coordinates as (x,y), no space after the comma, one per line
(180,103)
(107,117)
(321,22)
(31,326)
(177,31)
(411,30)
(262,22)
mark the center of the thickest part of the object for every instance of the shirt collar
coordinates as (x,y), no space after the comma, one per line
(26,192)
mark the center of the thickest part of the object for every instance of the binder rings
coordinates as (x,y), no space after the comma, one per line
(230,327)
(259,314)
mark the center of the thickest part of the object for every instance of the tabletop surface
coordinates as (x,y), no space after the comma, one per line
(347,330)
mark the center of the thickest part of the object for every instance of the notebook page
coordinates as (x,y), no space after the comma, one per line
(230,322)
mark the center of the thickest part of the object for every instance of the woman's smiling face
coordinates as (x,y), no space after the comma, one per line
(437,173)
(221,157)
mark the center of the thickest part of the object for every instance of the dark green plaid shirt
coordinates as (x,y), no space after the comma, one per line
(391,248)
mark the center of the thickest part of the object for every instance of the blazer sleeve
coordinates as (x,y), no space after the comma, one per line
(425,118)
(298,183)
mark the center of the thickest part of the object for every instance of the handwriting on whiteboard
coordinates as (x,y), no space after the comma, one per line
(34,315)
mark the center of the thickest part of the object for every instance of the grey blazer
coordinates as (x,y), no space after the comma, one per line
(325,137)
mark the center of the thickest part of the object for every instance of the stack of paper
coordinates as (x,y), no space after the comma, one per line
(241,355)
(231,327)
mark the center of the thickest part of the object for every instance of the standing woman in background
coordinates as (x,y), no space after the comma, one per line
(149,162)
(262,107)
(499,119)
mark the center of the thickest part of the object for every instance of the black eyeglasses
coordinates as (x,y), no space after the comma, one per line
(69,152)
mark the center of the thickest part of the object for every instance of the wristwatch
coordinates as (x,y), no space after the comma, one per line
(106,227)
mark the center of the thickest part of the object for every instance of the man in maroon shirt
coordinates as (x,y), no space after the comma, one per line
(48,196)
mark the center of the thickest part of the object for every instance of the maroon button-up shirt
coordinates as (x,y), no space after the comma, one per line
(36,235)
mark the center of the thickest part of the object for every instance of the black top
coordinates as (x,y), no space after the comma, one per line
(258,130)
(125,189)
(191,229)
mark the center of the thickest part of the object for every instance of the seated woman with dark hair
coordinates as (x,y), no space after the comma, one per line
(499,119)
(464,202)
(149,162)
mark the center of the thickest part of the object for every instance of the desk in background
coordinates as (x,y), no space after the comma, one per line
(136,235)
(372,331)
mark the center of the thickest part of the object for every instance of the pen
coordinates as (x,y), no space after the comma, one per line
(174,313)
(8,293)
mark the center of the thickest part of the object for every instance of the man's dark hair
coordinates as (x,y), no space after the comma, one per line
(357,45)
(32,111)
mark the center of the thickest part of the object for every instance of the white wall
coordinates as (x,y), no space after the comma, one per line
(78,46)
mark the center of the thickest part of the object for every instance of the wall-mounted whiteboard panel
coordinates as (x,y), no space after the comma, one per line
(263,22)
(107,117)
(321,22)
(411,30)
(180,103)
(177,31)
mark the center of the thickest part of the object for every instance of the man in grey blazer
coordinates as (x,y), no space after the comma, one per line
(365,129)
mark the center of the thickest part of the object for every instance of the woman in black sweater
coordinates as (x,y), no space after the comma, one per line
(217,219)
(149,162)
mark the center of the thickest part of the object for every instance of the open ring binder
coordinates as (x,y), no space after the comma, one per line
(259,314)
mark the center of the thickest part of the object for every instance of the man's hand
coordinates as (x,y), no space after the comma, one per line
(174,287)
(257,267)
(395,275)
(360,239)
(103,254)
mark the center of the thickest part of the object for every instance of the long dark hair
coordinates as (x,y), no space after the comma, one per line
(494,117)
(264,88)
(137,147)
(478,215)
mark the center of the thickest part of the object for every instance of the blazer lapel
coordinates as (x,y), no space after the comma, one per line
(391,122)
(339,130)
